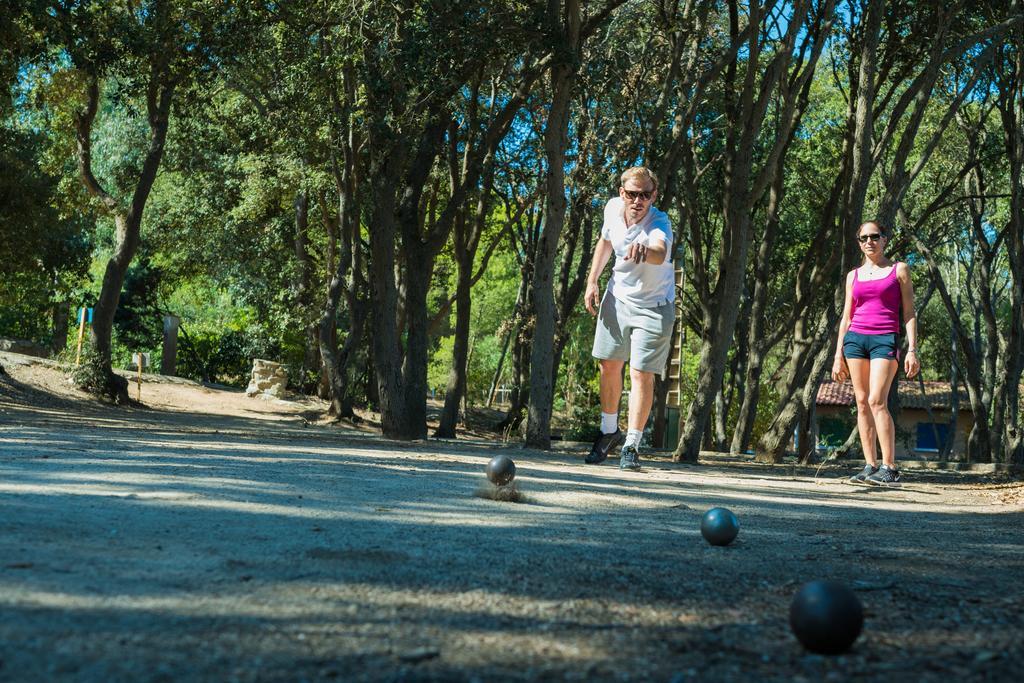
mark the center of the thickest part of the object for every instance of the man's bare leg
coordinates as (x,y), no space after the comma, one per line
(611,385)
(611,394)
(641,398)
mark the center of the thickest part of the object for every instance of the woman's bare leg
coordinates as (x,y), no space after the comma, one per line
(860,375)
(882,373)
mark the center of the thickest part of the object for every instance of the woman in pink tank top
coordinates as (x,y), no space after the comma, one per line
(867,350)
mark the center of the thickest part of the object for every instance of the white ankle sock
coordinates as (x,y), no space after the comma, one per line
(609,423)
(633,437)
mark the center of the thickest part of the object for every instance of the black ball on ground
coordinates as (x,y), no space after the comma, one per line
(501,470)
(826,617)
(719,526)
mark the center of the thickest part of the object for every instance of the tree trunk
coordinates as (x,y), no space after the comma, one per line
(556,133)
(460,355)
(756,344)
(401,165)
(386,338)
(809,359)
(169,358)
(467,242)
(303,294)
(127,240)
(744,187)
(419,268)
(127,221)
(954,381)
(61,320)
(747,413)
(807,366)
(347,277)
(519,396)
(662,386)
(1011,106)
(521,342)
(721,416)
(851,446)
(719,325)
(512,331)
(806,441)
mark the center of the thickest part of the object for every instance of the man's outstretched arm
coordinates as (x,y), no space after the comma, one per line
(655,251)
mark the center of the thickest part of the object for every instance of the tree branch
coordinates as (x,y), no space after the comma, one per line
(83,133)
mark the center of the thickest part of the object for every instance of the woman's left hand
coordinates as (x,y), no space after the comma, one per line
(911,365)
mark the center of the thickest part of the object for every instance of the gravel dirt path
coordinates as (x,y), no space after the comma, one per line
(218,538)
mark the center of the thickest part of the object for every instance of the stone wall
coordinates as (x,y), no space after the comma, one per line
(25,348)
(268,379)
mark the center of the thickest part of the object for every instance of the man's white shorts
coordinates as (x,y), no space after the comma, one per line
(643,336)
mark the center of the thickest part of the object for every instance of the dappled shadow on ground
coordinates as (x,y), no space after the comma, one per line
(141,545)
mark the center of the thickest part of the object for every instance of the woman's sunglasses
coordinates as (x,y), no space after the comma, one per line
(874,237)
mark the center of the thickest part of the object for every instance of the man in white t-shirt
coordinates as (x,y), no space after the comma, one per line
(635,316)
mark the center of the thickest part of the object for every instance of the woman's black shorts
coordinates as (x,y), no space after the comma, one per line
(857,345)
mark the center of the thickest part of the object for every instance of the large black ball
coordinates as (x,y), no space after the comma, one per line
(826,617)
(501,470)
(719,526)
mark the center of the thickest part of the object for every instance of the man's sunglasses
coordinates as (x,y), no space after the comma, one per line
(632,196)
(874,237)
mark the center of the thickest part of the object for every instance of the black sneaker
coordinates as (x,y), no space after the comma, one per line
(863,474)
(604,445)
(885,475)
(630,459)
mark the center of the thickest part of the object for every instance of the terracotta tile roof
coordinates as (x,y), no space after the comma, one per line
(937,395)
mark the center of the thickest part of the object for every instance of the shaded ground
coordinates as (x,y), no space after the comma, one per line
(250,544)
